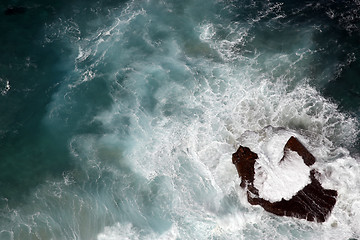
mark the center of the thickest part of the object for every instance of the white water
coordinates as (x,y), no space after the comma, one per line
(182,102)
(277,180)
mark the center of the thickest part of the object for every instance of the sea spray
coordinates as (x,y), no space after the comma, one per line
(156,98)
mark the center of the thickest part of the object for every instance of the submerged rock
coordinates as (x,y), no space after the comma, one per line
(313,202)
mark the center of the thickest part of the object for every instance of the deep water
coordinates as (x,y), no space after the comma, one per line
(118,118)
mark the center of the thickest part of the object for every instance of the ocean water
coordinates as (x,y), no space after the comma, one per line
(118,118)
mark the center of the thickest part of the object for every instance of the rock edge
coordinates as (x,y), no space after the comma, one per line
(313,202)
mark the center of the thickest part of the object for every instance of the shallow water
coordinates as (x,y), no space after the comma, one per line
(120,117)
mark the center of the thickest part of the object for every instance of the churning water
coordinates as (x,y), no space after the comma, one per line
(119,118)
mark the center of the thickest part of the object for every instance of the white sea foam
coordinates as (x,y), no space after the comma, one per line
(160,165)
(4,86)
(128,232)
(274,179)
(188,136)
(281,180)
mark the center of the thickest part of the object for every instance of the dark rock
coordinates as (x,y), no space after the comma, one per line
(244,160)
(313,202)
(14,11)
(295,145)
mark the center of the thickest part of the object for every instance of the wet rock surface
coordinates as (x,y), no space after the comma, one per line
(313,202)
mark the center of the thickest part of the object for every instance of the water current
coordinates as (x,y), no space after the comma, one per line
(118,118)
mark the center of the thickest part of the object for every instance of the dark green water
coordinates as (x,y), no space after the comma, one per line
(29,152)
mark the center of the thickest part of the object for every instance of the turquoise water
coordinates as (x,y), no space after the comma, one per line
(119,118)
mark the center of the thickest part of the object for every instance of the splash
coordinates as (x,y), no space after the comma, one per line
(158,97)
